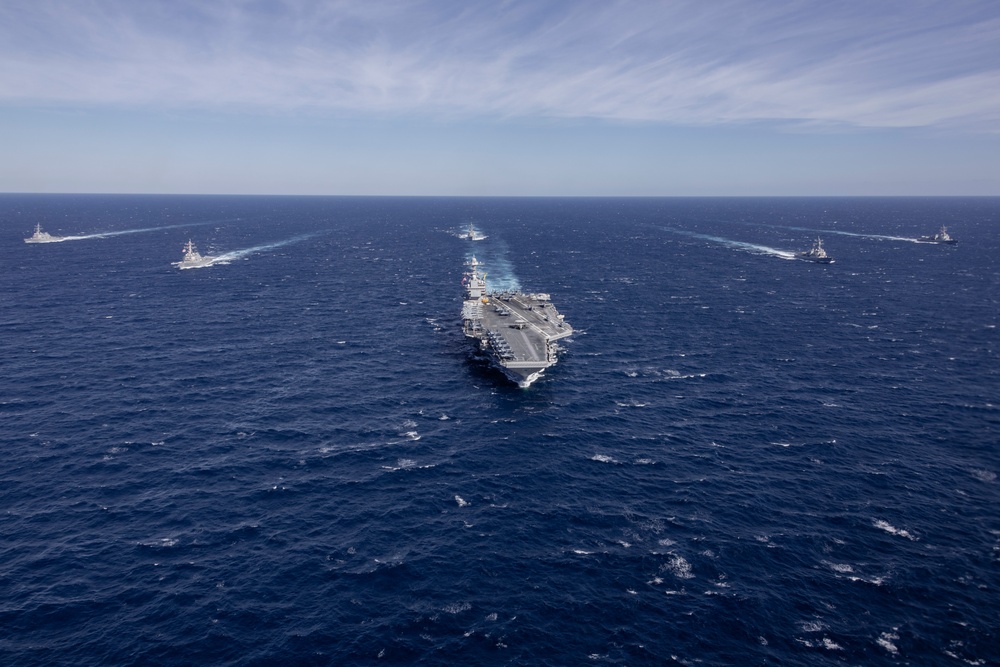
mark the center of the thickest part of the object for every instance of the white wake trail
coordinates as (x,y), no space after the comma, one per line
(739,245)
(102,235)
(228,257)
(840,233)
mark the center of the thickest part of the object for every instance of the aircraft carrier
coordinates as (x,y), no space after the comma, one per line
(517,332)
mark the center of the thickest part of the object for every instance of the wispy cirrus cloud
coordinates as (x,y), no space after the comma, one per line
(889,64)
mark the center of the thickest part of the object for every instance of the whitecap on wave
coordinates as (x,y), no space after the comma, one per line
(824,642)
(843,568)
(402,464)
(984,475)
(679,567)
(886,639)
(812,626)
(666,373)
(162,543)
(892,530)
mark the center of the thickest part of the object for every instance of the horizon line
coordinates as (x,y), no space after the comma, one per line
(507,196)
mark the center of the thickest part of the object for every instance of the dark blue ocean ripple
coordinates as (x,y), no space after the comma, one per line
(740,458)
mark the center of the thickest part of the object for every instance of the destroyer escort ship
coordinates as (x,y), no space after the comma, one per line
(941,237)
(517,332)
(43,237)
(193,259)
(815,254)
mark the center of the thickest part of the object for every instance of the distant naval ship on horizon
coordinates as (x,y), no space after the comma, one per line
(941,237)
(516,332)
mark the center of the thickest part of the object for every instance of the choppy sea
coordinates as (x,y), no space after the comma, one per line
(288,458)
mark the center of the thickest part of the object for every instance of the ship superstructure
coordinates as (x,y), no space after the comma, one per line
(43,237)
(517,332)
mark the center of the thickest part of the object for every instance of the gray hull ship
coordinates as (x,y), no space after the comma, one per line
(43,237)
(941,237)
(517,332)
(193,259)
(816,254)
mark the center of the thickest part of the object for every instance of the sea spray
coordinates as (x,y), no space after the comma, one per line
(499,269)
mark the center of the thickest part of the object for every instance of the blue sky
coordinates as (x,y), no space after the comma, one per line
(494,97)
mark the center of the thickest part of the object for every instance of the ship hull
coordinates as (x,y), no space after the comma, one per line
(523,375)
(200,264)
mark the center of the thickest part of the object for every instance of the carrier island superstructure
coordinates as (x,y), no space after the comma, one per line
(517,332)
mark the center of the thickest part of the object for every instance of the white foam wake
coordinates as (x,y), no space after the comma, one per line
(754,248)
(228,257)
(102,235)
(840,233)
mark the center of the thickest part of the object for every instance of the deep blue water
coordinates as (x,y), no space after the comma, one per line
(740,459)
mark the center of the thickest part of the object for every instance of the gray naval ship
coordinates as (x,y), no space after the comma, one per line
(517,332)
(941,237)
(193,259)
(43,237)
(815,254)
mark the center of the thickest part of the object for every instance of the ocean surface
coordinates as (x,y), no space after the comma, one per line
(287,457)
